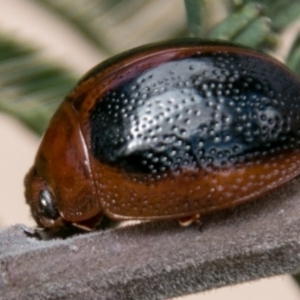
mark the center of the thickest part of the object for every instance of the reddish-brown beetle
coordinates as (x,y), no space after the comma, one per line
(167,131)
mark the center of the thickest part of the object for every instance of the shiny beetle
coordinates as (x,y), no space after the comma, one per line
(167,131)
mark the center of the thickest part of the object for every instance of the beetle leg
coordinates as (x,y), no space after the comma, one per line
(187,221)
(82,227)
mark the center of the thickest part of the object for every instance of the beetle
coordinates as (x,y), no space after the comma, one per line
(168,130)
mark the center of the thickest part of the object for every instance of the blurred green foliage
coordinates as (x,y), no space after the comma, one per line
(32,88)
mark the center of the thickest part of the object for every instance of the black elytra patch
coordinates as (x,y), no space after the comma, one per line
(208,111)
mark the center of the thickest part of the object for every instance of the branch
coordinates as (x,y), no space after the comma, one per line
(157,260)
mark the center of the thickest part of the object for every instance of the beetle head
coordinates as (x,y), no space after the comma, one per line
(59,187)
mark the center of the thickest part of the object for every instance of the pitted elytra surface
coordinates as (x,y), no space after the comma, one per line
(208,111)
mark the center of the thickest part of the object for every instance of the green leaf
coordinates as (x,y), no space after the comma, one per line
(236,22)
(289,13)
(195,11)
(281,12)
(30,88)
(255,33)
(293,60)
(202,15)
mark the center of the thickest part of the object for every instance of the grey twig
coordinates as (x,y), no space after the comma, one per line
(157,260)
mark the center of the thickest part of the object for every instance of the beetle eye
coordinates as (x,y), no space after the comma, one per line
(47,205)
